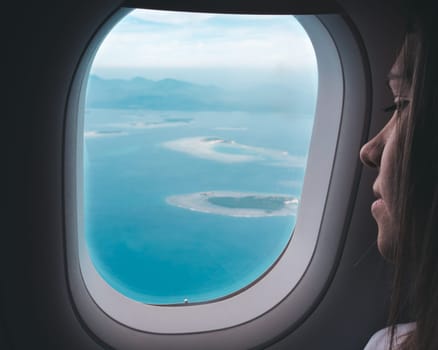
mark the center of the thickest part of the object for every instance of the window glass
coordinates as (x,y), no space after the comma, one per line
(197,129)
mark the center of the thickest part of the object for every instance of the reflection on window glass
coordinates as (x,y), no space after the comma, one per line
(197,129)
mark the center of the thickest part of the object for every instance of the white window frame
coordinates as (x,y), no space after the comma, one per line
(293,287)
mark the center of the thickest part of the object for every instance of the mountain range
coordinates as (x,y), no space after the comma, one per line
(172,94)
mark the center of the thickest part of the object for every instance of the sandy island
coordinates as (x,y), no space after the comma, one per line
(237,204)
(154,124)
(102,133)
(229,151)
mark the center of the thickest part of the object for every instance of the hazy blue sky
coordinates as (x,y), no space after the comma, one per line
(208,48)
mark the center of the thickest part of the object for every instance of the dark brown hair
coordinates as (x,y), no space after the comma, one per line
(416,250)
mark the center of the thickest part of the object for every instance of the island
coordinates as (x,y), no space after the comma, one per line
(102,133)
(237,204)
(230,151)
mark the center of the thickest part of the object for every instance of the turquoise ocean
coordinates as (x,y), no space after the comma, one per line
(157,253)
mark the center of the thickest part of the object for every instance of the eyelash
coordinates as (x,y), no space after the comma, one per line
(399,106)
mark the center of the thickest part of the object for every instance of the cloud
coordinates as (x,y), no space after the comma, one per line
(148,39)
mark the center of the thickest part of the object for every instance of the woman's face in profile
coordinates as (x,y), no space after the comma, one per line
(380,153)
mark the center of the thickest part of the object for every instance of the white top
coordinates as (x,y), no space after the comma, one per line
(380,340)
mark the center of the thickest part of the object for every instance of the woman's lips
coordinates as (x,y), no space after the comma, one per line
(377,204)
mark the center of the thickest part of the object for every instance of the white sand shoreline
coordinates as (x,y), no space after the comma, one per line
(206,147)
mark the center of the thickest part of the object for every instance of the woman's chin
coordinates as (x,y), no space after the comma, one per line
(385,247)
(386,229)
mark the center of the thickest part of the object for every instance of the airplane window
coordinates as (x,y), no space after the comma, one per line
(197,129)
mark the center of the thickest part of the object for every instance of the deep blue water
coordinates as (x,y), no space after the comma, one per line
(157,253)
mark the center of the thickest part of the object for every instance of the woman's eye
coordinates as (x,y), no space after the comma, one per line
(390,108)
(399,105)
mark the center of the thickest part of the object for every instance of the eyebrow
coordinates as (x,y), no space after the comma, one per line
(391,77)
(394,76)
(388,85)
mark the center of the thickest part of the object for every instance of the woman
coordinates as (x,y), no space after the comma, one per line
(405,152)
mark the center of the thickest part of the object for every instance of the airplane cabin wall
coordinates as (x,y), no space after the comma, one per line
(44,42)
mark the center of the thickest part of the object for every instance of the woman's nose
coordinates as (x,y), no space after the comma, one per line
(371,153)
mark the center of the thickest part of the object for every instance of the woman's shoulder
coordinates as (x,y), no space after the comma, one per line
(380,340)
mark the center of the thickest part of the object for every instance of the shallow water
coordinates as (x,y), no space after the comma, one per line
(158,253)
